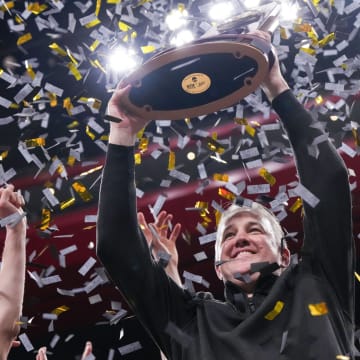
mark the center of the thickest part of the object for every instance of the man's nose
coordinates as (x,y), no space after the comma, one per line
(242,240)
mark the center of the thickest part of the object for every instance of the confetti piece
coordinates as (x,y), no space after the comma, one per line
(275,311)
(60,309)
(85,268)
(205,239)
(24,39)
(267,176)
(171,162)
(82,191)
(306,195)
(318,309)
(127,349)
(357,276)
(26,342)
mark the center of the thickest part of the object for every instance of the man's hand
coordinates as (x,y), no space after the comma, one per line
(41,355)
(87,350)
(274,83)
(124,132)
(160,241)
(10,201)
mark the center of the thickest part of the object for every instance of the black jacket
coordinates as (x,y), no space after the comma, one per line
(306,313)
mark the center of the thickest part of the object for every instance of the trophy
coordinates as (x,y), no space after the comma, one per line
(205,76)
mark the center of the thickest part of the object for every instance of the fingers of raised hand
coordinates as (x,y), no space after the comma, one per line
(87,350)
(41,355)
(175,233)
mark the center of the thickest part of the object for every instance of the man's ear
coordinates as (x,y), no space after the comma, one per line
(285,257)
(219,272)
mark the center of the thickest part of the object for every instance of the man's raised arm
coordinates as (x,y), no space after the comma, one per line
(12,273)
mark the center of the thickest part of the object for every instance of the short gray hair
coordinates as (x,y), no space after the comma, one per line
(259,212)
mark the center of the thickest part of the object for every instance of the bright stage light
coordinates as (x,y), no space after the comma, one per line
(182,37)
(289,11)
(221,11)
(251,3)
(122,59)
(176,19)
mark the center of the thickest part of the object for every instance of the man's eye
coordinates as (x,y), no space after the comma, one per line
(255,230)
(228,235)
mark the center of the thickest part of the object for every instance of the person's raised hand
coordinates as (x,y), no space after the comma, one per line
(274,82)
(160,240)
(123,132)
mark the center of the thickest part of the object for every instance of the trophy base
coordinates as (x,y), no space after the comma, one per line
(197,79)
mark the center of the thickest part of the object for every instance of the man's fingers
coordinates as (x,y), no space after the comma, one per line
(41,355)
(175,233)
(87,350)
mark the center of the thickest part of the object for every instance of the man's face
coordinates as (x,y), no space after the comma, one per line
(246,240)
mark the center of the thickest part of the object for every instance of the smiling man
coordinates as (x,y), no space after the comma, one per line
(245,237)
(273,310)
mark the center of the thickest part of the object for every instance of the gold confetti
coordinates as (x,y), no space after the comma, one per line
(36,8)
(296,205)
(71,160)
(90,134)
(29,70)
(283,33)
(356,136)
(68,105)
(342,357)
(171,163)
(96,64)
(97,8)
(275,311)
(241,121)
(53,99)
(73,69)
(67,203)
(71,57)
(357,276)
(327,39)
(82,191)
(250,130)
(89,227)
(94,103)
(221,177)
(35,142)
(270,179)
(137,157)
(147,49)
(305,27)
(123,26)
(213,145)
(308,50)
(94,45)
(45,219)
(23,39)
(7,6)
(143,144)
(4,154)
(61,309)
(73,125)
(319,100)
(318,309)
(92,23)
(58,49)
(226,194)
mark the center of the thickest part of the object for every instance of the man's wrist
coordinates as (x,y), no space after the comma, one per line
(119,136)
(274,89)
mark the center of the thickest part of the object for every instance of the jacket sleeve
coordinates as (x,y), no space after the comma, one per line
(327,226)
(122,249)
